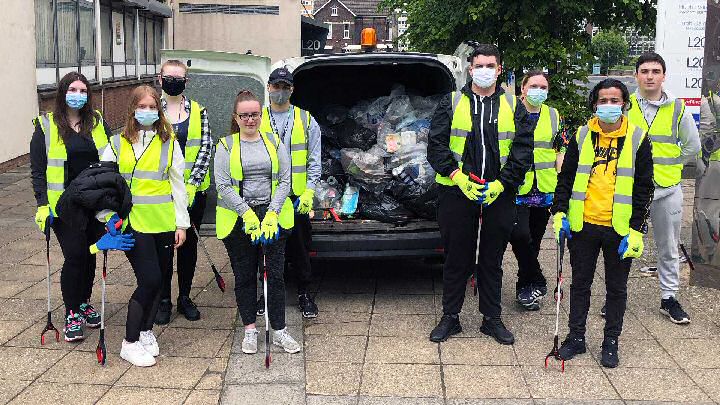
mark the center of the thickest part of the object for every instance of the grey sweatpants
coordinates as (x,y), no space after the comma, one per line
(666,217)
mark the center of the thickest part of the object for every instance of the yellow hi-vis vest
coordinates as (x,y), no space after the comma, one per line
(225,215)
(153,210)
(298,145)
(544,156)
(55,173)
(625,177)
(192,146)
(663,132)
(461,128)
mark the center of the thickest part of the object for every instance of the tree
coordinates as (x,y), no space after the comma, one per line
(610,47)
(530,34)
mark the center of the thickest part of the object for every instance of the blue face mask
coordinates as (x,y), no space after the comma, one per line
(536,96)
(146,117)
(76,101)
(609,113)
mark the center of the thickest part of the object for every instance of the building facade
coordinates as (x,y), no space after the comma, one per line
(346,19)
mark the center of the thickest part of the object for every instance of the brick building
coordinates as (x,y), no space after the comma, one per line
(347,18)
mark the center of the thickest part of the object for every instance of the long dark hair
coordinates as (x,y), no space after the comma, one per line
(243,95)
(162,128)
(608,84)
(88,116)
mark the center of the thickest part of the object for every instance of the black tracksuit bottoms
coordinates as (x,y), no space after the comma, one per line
(244,260)
(151,260)
(78,270)
(584,249)
(187,254)
(525,239)
(298,252)
(458,220)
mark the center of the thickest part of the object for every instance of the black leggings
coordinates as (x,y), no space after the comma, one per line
(187,253)
(244,262)
(150,259)
(298,252)
(78,270)
(525,239)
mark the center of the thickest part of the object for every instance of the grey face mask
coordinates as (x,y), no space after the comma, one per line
(280,96)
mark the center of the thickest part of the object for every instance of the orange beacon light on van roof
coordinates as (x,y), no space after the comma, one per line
(368,38)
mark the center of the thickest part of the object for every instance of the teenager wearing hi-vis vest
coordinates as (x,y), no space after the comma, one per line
(192,131)
(300,135)
(252,177)
(601,203)
(67,141)
(150,160)
(535,195)
(675,140)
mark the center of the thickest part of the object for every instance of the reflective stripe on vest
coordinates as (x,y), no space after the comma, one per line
(461,127)
(544,156)
(663,132)
(56,153)
(153,210)
(225,214)
(625,177)
(192,146)
(298,145)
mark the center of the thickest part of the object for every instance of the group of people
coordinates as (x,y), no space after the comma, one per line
(265,173)
(505,164)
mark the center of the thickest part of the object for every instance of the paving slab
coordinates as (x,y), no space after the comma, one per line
(263,394)
(34,362)
(477,351)
(168,372)
(401,350)
(250,369)
(348,349)
(333,379)
(484,382)
(405,380)
(10,388)
(666,385)
(142,395)
(66,370)
(54,393)
(203,397)
(577,382)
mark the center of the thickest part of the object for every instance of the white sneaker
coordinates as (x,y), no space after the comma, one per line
(135,354)
(249,343)
(149,342)
(283,339)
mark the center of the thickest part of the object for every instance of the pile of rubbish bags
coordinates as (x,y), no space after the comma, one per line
(374,159)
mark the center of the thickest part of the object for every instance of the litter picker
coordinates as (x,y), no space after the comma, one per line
(101,350)
(49,326)
(268,358)
(558,294)
(218,278)
(473,278)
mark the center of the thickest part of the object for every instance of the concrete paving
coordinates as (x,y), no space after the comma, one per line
(368,346)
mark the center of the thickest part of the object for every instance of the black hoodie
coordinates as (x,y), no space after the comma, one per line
(484,127)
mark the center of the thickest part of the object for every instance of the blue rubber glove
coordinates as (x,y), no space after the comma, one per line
(111,224)
(122,241)
(561,226)
(631,246)
(490,192)
(44,217)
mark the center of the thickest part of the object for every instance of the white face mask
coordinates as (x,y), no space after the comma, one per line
(484,77)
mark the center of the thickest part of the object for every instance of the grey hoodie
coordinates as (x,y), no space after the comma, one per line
(688,133)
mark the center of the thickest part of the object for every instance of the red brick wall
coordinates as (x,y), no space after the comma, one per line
(324,16)
(117,96)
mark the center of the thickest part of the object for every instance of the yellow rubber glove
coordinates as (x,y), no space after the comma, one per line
(191,189)
(490,192)
(561,224)
(270,229)
(632,245)
(44,215)
(467,186)
(305,203)
(251,225)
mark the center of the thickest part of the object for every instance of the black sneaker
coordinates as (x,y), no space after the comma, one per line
(449,325)
(671,308)
(260,306)
(571,347)
(73,327)
(188,308)
(494,327)
(603,311)
(164,311)
(307,306)
(92,317)
(609,356)
(529,297)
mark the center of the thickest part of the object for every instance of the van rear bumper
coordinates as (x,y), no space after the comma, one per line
(376,245)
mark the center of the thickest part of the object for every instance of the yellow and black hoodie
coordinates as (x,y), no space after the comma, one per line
(601,186)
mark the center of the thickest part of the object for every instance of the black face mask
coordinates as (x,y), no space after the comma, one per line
(173,86)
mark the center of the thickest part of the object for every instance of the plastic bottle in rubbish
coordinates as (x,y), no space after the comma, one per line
(349,200)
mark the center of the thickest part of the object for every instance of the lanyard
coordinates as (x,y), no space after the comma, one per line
(290,119)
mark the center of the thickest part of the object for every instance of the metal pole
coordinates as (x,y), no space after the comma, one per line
(98,54)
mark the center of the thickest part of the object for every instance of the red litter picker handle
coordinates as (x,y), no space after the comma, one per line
(476,179)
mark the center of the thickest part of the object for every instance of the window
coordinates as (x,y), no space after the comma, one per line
(329,31)
(334,11)
(158,40)
(129,37)
(44,32)
(106,34)
(87,32)
(67,29)
(143,42)
(346,31)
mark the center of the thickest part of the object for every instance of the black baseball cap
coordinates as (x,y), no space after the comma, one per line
(281,75)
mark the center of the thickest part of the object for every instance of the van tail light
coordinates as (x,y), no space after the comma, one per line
(439,250)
